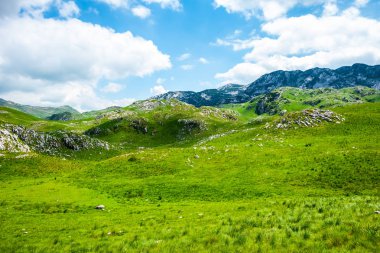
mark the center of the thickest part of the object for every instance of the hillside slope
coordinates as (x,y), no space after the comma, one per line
(38,111)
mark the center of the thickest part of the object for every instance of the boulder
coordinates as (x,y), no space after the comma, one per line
(100,207)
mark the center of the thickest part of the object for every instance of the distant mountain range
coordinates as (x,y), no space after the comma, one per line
(38,111)
(228,94)
(349,76)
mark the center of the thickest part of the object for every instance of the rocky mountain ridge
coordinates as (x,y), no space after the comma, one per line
(228,94)
(343,77)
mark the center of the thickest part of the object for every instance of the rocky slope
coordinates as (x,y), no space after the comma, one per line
(349,76)
(305,118)
(357,74)
(14,138)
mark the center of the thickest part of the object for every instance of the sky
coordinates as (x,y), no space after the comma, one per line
(91,54)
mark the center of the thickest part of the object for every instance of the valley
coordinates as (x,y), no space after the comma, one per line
(176,178)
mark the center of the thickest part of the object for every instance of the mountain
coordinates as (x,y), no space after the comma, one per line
(349,76)
(38,111)
(228,94)
(288,99)
(356,75)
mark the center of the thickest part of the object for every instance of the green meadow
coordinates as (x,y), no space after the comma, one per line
(232,186)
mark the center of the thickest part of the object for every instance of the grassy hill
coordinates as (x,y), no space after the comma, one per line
(38,111)
(229,184)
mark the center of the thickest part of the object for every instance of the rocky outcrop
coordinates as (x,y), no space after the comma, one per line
(268,103)
(15,138)
(305,118)
(10,142)
(219,113)
(117,114)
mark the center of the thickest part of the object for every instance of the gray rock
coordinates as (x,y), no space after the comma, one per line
(15,138)
(306,118)
(100,207)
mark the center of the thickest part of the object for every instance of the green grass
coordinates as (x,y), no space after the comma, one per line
(295,99)
(251,190)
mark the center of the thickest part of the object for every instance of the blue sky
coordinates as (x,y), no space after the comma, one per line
(91,54)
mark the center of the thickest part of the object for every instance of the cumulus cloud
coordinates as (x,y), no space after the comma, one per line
(55,62)
(243,73)
(308,41)
(266,9)
(158,90)
(141,11)
(66,50)
(82,96)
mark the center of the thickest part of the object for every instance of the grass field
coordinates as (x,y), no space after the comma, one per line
(249,190)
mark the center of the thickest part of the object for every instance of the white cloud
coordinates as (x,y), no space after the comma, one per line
(34,8)
(243,73)
(160,81)
(203,60)
(266,9)
(112,88)
(81,96)
(75,50)
(184,57)
(351,12)
(361,3)
(187,67)
(68,9)
(53,62)
(172,4)
(330,8)
(158,90)
(141,11)
(306,42)
(116,3)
